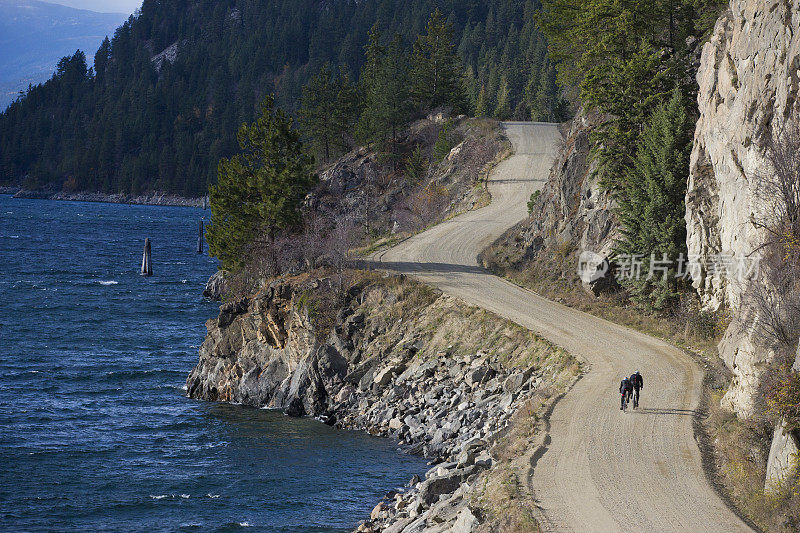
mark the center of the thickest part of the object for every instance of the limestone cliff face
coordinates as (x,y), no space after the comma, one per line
(748,88)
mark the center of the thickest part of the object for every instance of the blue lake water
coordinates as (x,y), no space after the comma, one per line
(95,430)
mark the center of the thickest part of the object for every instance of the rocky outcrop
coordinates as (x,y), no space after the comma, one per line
(748,88)
(783,456)
(362,185)
(400,361)
(259,352)
(168,55)
(215,286)
(572,207)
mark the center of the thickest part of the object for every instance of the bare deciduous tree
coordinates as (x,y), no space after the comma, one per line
(773,302)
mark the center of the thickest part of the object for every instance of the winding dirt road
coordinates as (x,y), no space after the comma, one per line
(603,470)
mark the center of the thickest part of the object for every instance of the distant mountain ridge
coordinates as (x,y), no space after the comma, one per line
(34,35)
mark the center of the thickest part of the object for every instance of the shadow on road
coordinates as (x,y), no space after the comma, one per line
(667,411)
(517,181)
(411,267)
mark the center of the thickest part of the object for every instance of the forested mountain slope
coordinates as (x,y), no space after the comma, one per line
(163,100)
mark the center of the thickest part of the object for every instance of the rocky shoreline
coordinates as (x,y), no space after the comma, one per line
(155,198)
(396,359)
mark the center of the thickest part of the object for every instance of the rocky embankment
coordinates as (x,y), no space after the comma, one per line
(393,358)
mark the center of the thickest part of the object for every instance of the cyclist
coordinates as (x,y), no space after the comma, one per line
(625,389)
(638,384)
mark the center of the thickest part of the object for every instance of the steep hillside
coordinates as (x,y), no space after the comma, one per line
(166,95)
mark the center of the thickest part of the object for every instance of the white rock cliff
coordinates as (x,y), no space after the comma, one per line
(748,88)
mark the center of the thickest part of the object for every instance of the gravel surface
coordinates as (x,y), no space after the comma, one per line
(603,470)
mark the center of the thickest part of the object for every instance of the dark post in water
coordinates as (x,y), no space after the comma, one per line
(200,239)
(147,265)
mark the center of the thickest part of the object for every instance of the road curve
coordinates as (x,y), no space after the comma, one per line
(604,470)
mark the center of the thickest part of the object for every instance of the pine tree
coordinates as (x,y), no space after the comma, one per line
(652,212)
(436,69)
(627,89)
(481,105)
(384,82)
(548,105)
(348,109)
(318,111)
(260,189)
(503,108)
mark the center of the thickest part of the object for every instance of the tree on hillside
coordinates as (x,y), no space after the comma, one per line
(318,110)
(327,107)
(627,89)
(384,82)
(436,73)
(624,56)
(652,212)
(259,191)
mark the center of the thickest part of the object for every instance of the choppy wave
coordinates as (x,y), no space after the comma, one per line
(110,282)
(170,496)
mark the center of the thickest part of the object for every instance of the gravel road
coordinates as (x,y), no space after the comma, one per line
(603,469)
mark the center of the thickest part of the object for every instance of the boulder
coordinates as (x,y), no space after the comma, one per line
(377,511)
(384,377)
(465,522)
(431,489)
(513,382)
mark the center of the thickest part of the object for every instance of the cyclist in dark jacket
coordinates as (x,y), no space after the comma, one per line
(638,384)
(625,388)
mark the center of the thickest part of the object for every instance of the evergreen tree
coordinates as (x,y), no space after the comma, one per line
(503,109)
(259,190)
(548,106)
(481,104)
(436,70)
(328,109)
(623,56)
(318,108)
(384,81)
(652,212)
